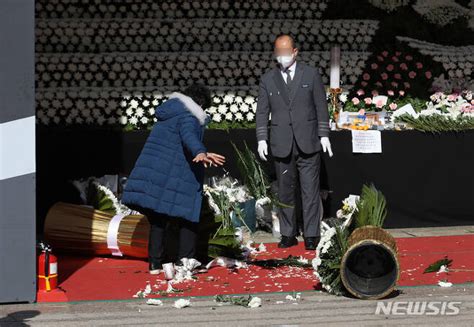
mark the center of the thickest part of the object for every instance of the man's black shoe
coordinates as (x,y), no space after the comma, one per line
(287,241)
(310,243)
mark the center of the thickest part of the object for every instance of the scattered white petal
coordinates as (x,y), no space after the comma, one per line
(182,303)
(442,269)
(445,284)
(154,302)
(255,302)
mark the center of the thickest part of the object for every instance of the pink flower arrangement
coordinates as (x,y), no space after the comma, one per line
(375,103)
(395,73)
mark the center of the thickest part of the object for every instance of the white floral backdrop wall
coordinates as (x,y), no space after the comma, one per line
(111,63)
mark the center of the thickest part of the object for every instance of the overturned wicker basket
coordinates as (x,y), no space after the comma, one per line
(370,268)
(79,229)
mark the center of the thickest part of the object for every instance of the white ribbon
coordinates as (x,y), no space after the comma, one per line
(112,235)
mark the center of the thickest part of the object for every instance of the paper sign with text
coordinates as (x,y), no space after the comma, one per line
(366,142)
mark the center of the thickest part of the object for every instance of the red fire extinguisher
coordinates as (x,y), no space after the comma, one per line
(47,269)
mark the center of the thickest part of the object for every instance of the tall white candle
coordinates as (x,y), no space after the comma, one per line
(335,66)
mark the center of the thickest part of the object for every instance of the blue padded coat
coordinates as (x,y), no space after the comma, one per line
(164,178)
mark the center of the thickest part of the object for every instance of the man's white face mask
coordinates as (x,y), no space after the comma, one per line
(285,61)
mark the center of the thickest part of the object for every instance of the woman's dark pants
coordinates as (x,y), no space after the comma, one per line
(187,238)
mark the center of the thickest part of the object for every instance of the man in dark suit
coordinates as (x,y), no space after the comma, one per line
(294,97)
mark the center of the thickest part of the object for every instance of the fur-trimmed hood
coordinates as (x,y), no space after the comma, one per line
(167,111)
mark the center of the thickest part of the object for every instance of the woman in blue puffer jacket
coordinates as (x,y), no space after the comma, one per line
(167,180)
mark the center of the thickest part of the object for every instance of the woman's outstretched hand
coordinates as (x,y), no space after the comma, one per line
(202,157)
(210,158)
(217,159)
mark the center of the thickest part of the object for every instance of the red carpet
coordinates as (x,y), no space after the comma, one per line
(113,279)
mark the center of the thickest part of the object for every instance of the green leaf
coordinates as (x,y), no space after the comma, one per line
(371,209)
(434,267)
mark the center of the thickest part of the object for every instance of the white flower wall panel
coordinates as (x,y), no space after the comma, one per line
(215,69)
(122,107)
(151,35)
(304,9)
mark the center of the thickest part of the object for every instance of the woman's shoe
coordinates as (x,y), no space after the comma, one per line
(155,268)
(155,272)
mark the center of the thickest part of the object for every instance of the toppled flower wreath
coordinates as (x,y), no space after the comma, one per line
(357,211)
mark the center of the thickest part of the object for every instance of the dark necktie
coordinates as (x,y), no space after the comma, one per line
(288,77)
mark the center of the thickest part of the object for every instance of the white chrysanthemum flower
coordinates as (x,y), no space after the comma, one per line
(239,116)
(217,118)
(133,120)
(228,98)
(244,107)
(134,104)
(222,109)
(343,97)
(234,108)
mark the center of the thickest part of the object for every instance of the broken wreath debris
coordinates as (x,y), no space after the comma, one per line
(248,301)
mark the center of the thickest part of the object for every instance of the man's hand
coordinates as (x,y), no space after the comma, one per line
(216,159)
(202,157)
(263,150)
(326,145)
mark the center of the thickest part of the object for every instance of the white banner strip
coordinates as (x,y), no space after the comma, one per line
(17,148)
(112,235)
